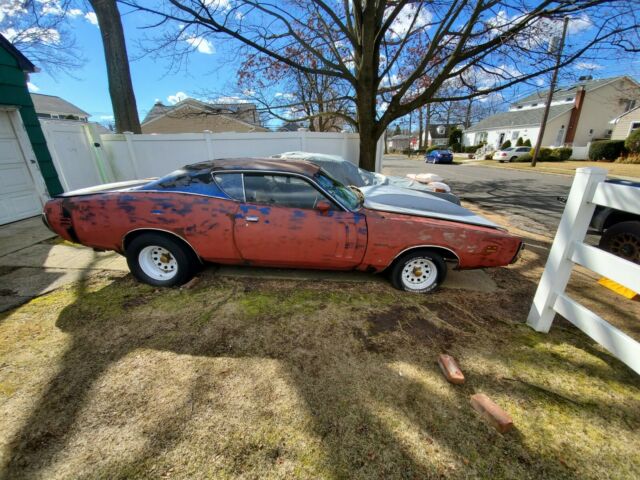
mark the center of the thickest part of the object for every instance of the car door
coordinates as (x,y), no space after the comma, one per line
(279,224)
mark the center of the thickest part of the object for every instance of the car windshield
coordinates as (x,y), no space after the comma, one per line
(344,195)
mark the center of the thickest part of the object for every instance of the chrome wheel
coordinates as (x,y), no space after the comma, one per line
(158,262)
(419,274)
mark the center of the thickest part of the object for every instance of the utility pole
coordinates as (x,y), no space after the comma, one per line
(552,87)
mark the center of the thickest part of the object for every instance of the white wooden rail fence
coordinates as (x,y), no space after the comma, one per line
(568,249)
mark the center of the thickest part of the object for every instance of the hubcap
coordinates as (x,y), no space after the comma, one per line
(627,246)
(157,262)
(419,273)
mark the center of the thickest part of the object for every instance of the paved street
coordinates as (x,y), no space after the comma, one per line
(530,200)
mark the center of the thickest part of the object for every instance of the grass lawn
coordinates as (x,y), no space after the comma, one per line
(247,378)
(569,167)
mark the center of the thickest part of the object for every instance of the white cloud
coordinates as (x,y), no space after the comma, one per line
(284,95)
(178,97)
(579,24)
(33,87)
(106,118)
(75,12)
(91,18)
(403,22)
(218,4)
(201,44)
(10,8)
(588,66)
(49,36)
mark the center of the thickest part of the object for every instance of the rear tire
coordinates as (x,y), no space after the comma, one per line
(158,259)
(421,271)
(623,240)
(512,159)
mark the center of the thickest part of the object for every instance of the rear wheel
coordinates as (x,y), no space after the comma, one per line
(160,260)
(623,240)
(513,159)
(418,272)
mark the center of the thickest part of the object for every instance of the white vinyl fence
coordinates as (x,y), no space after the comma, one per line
(587,191)
(85,157)
(580,153)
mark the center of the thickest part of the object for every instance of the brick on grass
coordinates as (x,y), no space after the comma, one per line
(450,369)
(492,412)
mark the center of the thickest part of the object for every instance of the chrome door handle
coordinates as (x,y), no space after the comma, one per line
(251,219)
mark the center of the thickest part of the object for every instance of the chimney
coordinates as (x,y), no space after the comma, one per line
(575,116)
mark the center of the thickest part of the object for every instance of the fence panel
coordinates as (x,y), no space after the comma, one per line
(568,249)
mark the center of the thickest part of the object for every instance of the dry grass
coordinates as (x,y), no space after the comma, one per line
(569,167)
(263,379)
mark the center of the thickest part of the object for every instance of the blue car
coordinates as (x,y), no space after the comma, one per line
(439,156)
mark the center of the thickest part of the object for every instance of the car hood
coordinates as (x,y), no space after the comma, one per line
(387,198)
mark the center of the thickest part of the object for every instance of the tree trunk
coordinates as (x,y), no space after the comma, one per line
(427,120)
(420,129)
(123,99)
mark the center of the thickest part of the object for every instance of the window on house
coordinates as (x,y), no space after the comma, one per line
(634,126)
(515,135)
(629,104)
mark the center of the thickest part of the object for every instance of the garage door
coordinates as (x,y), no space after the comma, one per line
(18,195)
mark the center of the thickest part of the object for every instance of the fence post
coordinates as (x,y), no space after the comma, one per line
(132,153)
(573,227)
(208,140)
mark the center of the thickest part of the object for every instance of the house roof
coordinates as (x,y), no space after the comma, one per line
(159,109)
(433,129)
(619,117)
(53,104)
(570,90)
(23,62)
(519,118)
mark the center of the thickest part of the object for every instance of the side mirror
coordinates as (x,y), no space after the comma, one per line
(323,206)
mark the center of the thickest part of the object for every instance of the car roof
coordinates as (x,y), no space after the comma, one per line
(300,167)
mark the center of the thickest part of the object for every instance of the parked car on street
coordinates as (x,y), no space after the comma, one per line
(510,154)
(439,156)
(348,173)
(275,213)
(619,230)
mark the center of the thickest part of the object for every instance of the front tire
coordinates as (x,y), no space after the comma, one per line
(160,260)
(513,159)
(418,272)
(623,240)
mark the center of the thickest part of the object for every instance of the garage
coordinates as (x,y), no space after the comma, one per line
(19,197)
(27,173)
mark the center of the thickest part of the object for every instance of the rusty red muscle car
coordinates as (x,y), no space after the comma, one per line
(268,212)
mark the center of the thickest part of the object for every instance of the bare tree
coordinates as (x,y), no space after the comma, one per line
(295,96)
(123,99)
(384,50)
(40,30)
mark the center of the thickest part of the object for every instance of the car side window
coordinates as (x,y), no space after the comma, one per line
(281,190)
(524,149)
(231,184)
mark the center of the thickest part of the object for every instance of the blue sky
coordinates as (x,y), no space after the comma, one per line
(89,91)
(210,69)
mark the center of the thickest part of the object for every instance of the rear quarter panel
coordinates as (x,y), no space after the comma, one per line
(475,246)
(102,221)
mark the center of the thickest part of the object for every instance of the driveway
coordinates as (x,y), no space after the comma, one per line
(529,200)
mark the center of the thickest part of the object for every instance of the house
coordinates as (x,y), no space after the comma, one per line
(438,134)
(27,173)
(56,108)
(578,114)
(625,124)
(194,116)
(398,143)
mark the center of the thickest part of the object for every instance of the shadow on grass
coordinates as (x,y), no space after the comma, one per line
(343,348)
